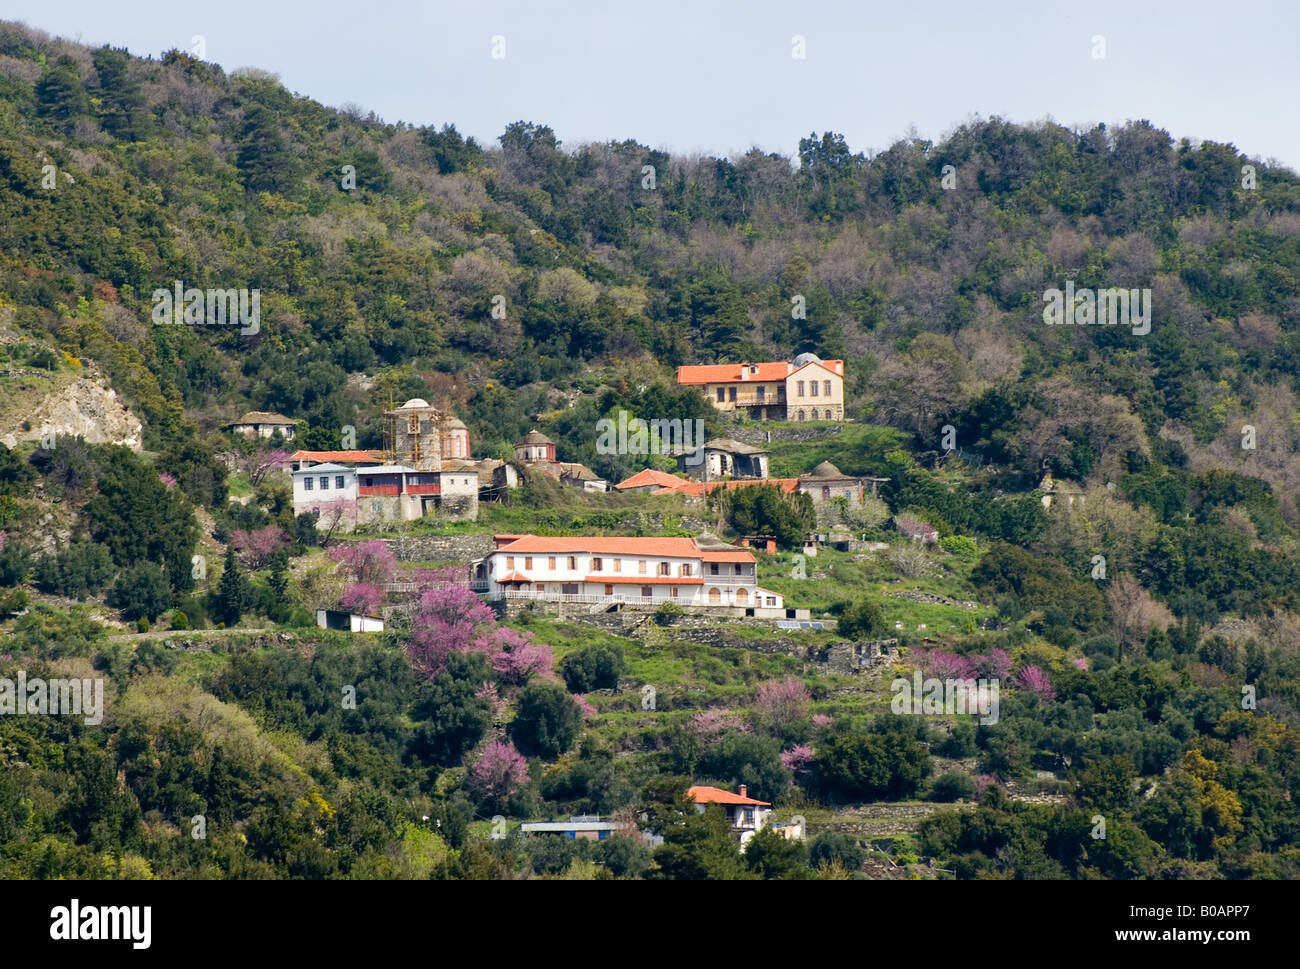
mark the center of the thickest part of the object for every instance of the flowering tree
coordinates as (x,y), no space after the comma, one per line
(362,598)
(797,760)
(709,725)
(782,704)
(821,720)
(334,515)
(588,711)
(519,658)
(169,480)
(370,561)
(258,466)
(449,618)
(1080,664)
(256,547)
(500,772)
(993,665)
(1037,682)
(948,666)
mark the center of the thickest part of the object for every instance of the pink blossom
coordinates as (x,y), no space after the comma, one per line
(500,772)
(371,562)
(1037,682)
(710,724)
(993,665)
(822,720)
(3,538)
(983,782)
(588,711)
(782,703)
(256,547)
(797,758)
(363,598)
(167,479)
(948,666)
(1080,664)
(488,691)
(519,658)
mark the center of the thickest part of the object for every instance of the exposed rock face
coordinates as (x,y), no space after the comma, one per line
(86,408)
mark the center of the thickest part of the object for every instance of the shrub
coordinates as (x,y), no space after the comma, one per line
(593,667)
(547,721)
(142,625)
(862,619)
(952,786)
(179,620)
(832,846)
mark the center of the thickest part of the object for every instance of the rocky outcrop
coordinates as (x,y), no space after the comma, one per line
(85,408)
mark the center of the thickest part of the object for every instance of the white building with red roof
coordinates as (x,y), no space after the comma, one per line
(612,572)
(744,813)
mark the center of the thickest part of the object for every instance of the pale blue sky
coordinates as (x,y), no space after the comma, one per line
(718,77)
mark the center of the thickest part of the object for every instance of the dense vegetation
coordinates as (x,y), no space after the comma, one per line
(1147,636)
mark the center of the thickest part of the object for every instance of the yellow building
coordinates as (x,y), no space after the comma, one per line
(805,389)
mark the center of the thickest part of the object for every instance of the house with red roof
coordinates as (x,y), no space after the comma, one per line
(806,388)
(611,573)
(745,814)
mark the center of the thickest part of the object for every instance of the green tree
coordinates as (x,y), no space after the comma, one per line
(233,593)
(547,720)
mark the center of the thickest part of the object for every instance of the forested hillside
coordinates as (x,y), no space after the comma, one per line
(532,282)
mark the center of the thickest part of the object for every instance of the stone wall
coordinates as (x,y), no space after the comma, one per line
(438,548)
(757,436)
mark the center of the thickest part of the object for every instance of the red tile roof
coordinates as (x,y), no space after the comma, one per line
(612,545)
(730,373)
(516,577)
(721,555)
(649,476)
(645,580)
(324,457)
(715,795)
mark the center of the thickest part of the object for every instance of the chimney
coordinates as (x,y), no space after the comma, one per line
(744,791)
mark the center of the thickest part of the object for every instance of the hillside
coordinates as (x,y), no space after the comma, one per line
(1146,636)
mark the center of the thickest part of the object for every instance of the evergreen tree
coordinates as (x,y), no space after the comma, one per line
(233,592)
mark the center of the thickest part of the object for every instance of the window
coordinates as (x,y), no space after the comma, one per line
(528,562)
(722,395)
(618,565)
(753,368)
(308,484)
(713,568)
(686,571)
(645,592)
(762,392)
(827,385)
(664,568)
(674,592)
(609,589)
(801,415)
(813,387)
(550,563)
(573,563)
(541,586)
(740,569)
(731,393)
(510,561)
(799,387)
(641,567)
(324,482)
(814,410)
(826,491)
(413,424)
(569,589)
(338,481)
(749,815)
(597,564)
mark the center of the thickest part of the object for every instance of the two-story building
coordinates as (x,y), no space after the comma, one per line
(745,814)
(698,575)
(804,389)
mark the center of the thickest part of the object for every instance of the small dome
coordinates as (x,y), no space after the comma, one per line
(415,402)
(826,470)
(806,358)
(457,423)
(534,437)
